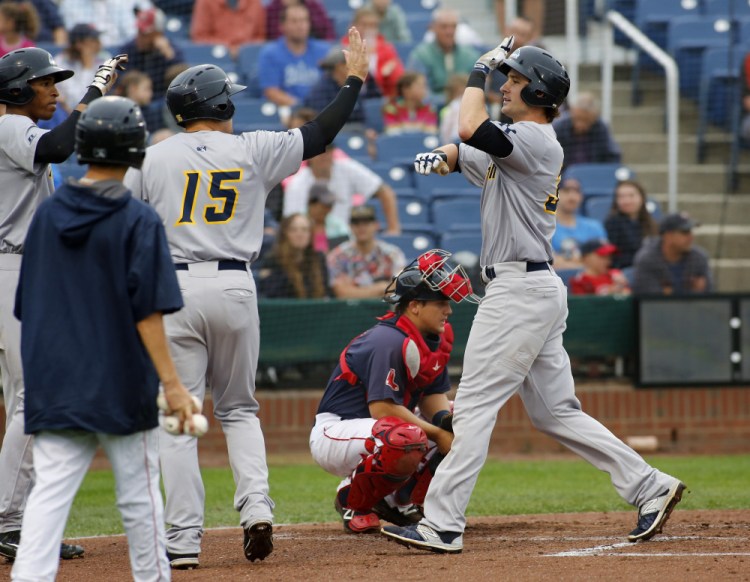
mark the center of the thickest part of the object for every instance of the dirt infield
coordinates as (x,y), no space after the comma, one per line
(696,545)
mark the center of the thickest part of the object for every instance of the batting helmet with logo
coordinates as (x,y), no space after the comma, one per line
(111,132)
(202,92)
(19,67)
(549,82)
(432,276)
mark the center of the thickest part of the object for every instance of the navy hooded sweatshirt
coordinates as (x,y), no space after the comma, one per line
(95,263)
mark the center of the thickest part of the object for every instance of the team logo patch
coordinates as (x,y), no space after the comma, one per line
(99,153)
(390,380)
(201,148)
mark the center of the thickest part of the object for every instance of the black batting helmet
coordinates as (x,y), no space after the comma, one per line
(111,132)
(19,67)
(202,92)
(432,276)
(549,81)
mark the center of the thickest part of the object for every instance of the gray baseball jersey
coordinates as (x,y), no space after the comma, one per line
(198,181)
(25,184)
(519,193)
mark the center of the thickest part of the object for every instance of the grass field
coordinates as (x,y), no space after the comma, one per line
(303,492)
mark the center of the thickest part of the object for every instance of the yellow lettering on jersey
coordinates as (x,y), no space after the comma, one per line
(218,191)
(550,205)
(491,172)
(192,180)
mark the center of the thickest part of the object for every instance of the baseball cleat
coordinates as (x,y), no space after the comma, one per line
(408,515)
(258,543)
(424,537)
(70,551)
(653,514)
(183,561)
(9,541)
(356,522)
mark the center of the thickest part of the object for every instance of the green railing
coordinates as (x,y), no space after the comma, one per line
(305,331)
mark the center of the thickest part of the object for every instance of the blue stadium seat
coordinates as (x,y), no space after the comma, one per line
(597,207)
(418,6)
(455,215)
(418,24)
(687,39)
(342,20)
(470,194)
(402,148)
(373,113)
(353,143)
(743,30)
(567,274)
(215,54)
(427,185)
(343,5)
(601,177)
(456,242)
(247,67)
(413,213)
(395,175)
(654,209)
(71,169)
(627,9)
(254,113)
(730,8)
(413,244)
(404,49)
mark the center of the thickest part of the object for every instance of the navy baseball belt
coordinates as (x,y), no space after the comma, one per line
(489,271)
(223,266)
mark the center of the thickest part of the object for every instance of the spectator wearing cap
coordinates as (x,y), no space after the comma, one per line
(672,264)
(83,55)
(386,67)
(351,182)
(150,51)
(115,19)
(294,269)
(585,138)
(321,25)
(288,66)
(598,277)
(328,85)
(363,266)
(328,230)
(228,22)
(572,229)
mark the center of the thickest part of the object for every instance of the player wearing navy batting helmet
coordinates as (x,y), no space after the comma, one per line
(515,344)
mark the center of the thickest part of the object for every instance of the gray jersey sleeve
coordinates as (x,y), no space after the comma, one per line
(19,137)
(277,153)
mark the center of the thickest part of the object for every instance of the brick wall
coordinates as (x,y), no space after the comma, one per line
(685,420)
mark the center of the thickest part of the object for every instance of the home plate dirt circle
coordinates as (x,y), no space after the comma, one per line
(695,545)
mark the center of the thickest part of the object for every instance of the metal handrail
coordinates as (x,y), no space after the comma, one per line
(615,19)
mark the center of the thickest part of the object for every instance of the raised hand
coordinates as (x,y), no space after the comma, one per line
(106,74)
(357,61)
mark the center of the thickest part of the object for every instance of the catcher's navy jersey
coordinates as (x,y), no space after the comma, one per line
(376,357)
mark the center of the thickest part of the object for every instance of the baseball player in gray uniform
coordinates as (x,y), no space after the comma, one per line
(28,93)
(515,343)
(209,187)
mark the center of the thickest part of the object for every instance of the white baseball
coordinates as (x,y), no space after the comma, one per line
(200,425)
(161,402)
(198,403)
(171,424)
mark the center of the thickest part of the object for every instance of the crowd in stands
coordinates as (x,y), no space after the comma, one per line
(328,226)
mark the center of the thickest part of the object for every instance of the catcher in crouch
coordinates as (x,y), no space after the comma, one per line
(368,429)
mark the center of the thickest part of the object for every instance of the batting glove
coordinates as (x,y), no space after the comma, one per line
(425,163)
(106,75)
(491,60)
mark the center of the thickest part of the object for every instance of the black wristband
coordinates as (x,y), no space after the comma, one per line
(477,79)
(354,82)
(91,94)
(439,415)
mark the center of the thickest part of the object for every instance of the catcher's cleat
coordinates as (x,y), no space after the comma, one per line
(258,543)
(653,514)
(183,561)
(424,537)
(356,522)
(402,516)
(9,541)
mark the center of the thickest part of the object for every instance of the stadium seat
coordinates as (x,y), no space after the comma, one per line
(599,177)
(247,67)
(597,207)
(215,54)
(353,143)
(687,38)
(373,113)
(402,148)
(729,8)
(413,213)
(428,185)
(654,209)
(418,6)
(397,176)
(418,24)
(254,114)
(412,244)
(455,215)
(342,20)
(456,242)
(404,49)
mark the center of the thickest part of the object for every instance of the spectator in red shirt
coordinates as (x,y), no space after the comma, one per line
(321,26)
(228,22)
(409,111)
(597,277)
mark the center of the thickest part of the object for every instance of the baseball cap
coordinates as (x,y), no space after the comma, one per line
(320,193)
(83,30)
(150,20)
(601,247)
(334,56)
(677,221)
(363,214)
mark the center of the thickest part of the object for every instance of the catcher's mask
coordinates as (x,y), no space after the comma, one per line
(432,276)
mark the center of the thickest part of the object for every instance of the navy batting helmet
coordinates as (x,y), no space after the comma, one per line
(202,92)
(432,276)
(549,82)
(19,67)
(111,132)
